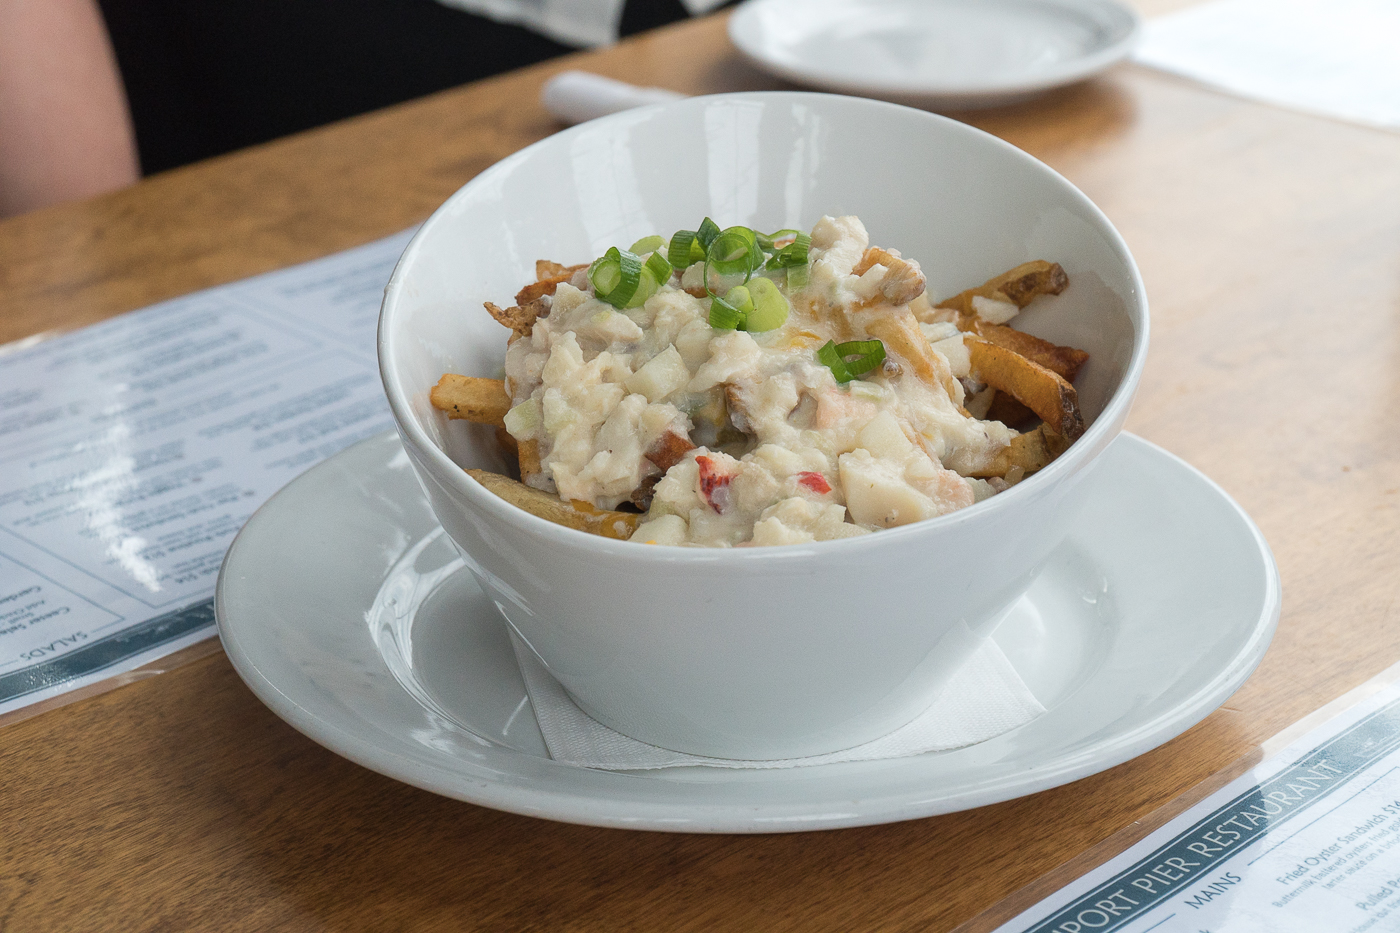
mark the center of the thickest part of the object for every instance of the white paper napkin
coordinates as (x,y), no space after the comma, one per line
(985,698)
(587,23)
(576,96)
(1337,58)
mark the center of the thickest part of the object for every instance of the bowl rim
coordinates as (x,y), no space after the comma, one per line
(447,471)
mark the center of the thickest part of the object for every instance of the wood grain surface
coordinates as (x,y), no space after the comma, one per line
(1270,246)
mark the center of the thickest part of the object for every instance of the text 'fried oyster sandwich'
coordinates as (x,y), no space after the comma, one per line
(727,387)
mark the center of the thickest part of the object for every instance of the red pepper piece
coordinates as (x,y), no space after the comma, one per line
(714,485)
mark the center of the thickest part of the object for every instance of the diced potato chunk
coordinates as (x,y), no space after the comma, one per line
(663,374)
(876,493)
(667,529)
(884,438)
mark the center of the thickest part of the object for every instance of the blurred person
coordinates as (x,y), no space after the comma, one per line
(65,129)
(206,77)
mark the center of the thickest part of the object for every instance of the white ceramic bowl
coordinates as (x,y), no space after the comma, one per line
(756,652)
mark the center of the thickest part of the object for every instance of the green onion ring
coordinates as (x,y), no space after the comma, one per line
(735,251)
(647,244)
(769,240)
(660,268)
(835,356)
(723,315)
(792,255)
(684,250)
(770,308)
(707,233)
(615,276)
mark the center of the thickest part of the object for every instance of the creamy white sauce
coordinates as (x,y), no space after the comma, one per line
(783,453)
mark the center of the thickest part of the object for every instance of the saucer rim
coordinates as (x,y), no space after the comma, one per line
(485,781)
(976,95)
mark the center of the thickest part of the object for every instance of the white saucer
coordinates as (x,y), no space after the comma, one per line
(944,54)
(341,606)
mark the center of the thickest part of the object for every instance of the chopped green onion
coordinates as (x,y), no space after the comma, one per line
(769,240)
(792,255)
(861,356)
(707,233)
(656,271)
(758,306)
(837,357)
(723,315)
(735,252)
(794,259)
(616,276)
(770,308)
(829,358)
(622,280)
(741,298)
(647,244)
(659,268)
(685,249)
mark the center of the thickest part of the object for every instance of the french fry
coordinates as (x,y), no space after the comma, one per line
(575,514)
(1019,286)
(900,332)
(1008,411)
(469,398)
(546,284)
(1041,390)
(528,454)
(1064,361)
(1028,452)
(507,442)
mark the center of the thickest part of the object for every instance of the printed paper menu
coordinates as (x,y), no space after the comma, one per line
(1307,841)
(132,451)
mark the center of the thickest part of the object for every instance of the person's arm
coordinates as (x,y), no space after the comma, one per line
(65,129)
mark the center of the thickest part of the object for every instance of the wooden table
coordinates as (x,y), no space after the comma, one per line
(1270,245)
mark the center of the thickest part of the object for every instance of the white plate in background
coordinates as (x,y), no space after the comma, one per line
(341,606)
(941,54)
